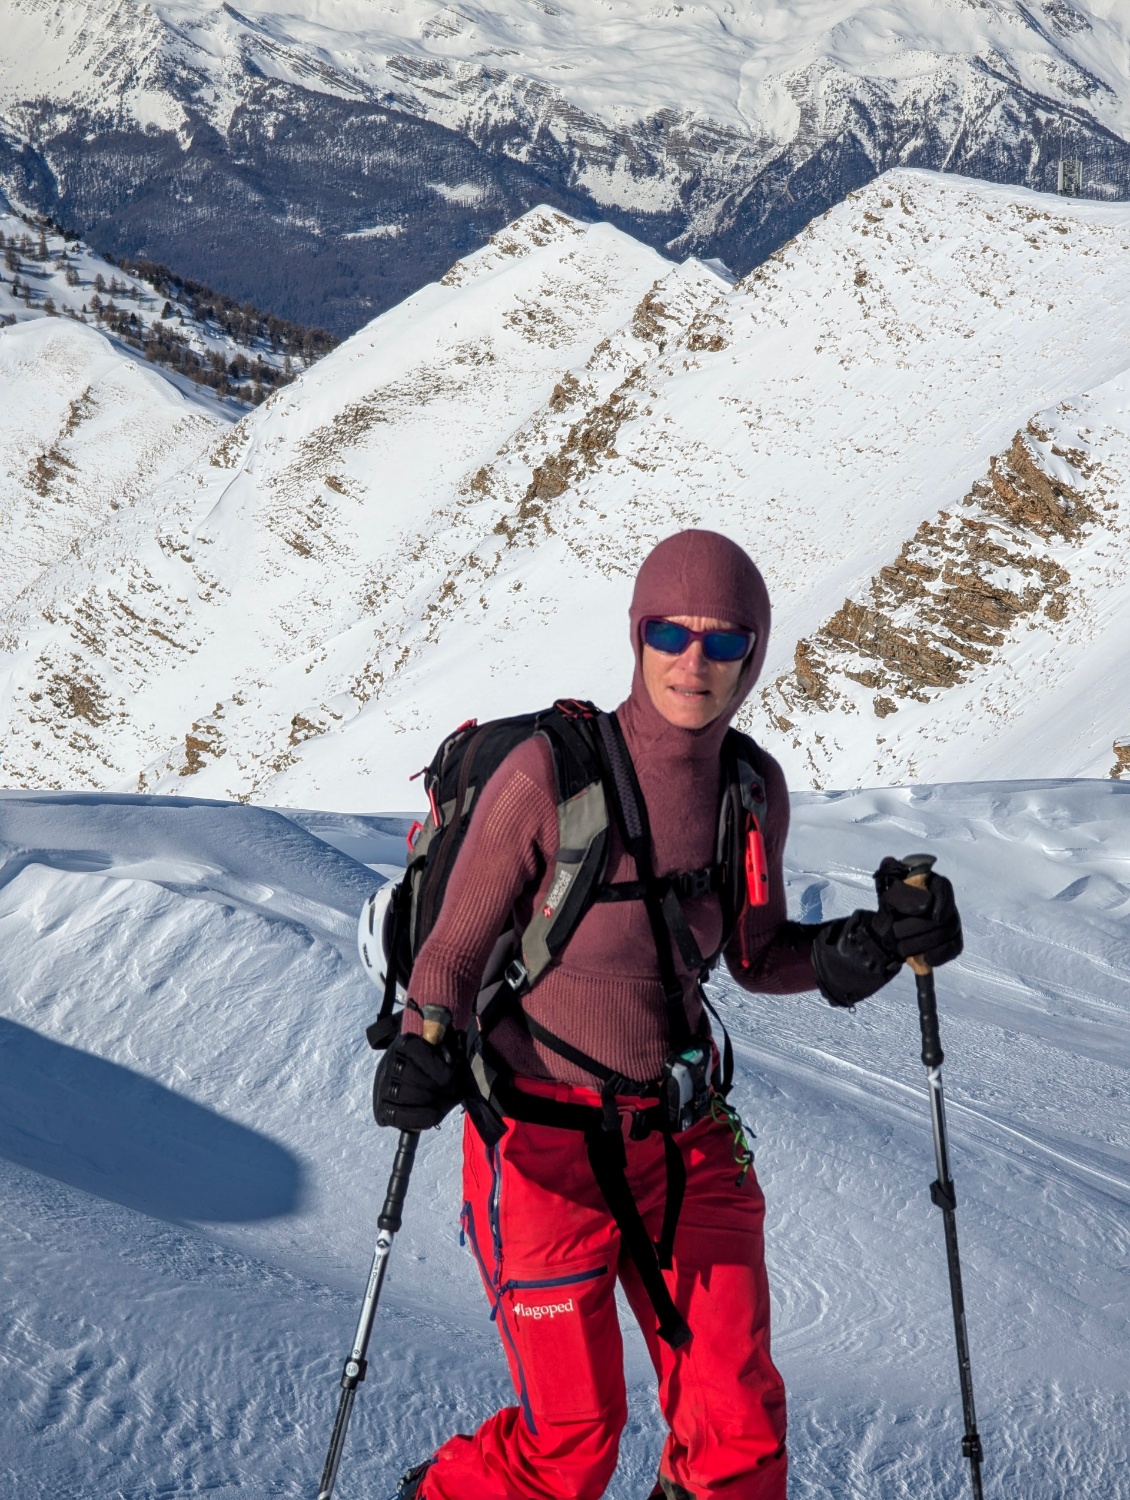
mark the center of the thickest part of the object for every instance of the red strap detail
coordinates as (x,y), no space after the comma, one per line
(413,834)
(434,805)
(466,724)
(575,708)
(756,865)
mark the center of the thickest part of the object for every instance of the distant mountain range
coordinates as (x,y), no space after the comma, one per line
(326,160)
(914,416)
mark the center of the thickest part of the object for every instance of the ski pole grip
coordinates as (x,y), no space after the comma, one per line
(920,866)
(437,1018)
(932,1054)
(393,1209)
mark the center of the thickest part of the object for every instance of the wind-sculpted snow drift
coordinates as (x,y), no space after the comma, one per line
(914,417)
(366,144)
(189,1175)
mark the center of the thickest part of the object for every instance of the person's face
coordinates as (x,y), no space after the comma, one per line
(690,691)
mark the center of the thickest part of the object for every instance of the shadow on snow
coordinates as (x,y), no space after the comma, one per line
(107,1130)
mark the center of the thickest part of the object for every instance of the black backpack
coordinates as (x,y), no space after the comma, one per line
(595,780)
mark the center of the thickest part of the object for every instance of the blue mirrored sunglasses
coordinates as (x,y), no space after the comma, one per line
(717,645)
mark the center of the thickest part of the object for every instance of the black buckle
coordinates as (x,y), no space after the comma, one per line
(516,975)
(643,1122)
(692,883)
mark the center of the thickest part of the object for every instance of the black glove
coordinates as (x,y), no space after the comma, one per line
(917,923)
(851,959)
(417,1084)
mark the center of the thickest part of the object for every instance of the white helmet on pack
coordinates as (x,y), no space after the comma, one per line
(370,930)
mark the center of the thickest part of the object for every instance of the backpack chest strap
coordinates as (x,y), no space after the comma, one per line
(687,885)
(668,921)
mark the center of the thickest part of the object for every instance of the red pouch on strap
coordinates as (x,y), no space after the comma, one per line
(756,865)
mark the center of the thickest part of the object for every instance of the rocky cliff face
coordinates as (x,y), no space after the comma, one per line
(328,168)
(1009,559)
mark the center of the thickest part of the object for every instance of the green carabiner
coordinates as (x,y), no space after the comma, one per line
(724,1113)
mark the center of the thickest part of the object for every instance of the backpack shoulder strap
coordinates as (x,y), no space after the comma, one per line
(582,834)
(664,910)
(583,831)
(741,828)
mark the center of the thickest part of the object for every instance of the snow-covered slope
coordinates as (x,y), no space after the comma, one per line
(223,366)
(305,528)
(997,635)
(442,519)
(84,434)
(712,127)
(189,1175)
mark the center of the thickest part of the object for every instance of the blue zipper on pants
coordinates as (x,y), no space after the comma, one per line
(551,1281)
(499,1287)
(498,1313)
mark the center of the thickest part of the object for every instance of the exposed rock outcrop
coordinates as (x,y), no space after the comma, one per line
(958,588)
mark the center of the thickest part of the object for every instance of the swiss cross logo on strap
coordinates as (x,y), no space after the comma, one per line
(556,893)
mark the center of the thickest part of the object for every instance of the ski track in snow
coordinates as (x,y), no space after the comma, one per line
(190,1178)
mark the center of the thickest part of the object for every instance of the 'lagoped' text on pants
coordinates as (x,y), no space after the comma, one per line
(549,1253)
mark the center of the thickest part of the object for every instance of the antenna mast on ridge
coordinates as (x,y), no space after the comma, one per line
(1070,179)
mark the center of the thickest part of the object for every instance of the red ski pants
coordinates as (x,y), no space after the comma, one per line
(549,1253)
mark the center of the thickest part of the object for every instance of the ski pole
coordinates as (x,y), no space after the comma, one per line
(356,1364)
(388,1225)
(942,1190)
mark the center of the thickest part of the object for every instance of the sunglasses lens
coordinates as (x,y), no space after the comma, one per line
(665,635)
(726,645)
(717,645)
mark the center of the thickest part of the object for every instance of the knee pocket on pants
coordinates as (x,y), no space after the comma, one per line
(566,1338)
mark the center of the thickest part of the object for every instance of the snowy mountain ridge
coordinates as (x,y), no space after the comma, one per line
(47,274)
(706,128)
(745,69)
(920,404)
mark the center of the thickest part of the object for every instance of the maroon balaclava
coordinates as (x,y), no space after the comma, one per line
(690,573)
